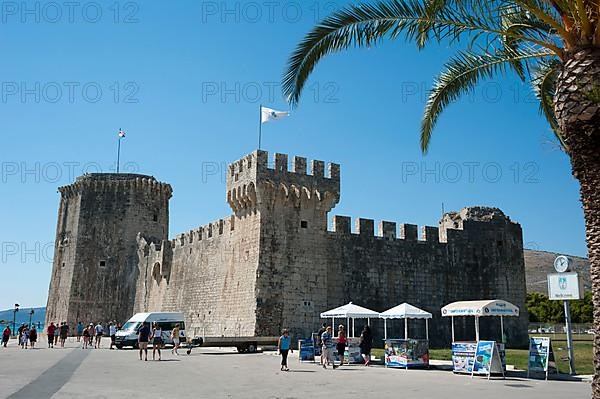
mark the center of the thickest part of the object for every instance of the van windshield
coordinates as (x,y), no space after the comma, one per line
(131,326)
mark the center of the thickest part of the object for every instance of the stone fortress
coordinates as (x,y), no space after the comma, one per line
(274,263)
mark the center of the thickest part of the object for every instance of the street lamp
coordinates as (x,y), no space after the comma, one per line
(14,318)
(30,316)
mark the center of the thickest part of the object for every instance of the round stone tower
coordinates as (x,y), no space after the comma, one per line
(94,271)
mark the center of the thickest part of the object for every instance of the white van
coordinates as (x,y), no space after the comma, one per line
(128,334)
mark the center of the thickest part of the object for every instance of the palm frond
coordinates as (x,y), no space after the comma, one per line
(544,86)
(462,73)
(367,24)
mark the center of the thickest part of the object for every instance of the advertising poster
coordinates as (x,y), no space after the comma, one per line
(307,350)
(539,354)
(463,356)
(352,353)
(483,357)
(317,344)
(406,353)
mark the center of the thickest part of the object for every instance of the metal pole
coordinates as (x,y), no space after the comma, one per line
(452,317)
(385,328)
(405,328)
(569,338)
(14,322)
(260,127)
(502,329)
(477,328)
(118,154)
(427,329)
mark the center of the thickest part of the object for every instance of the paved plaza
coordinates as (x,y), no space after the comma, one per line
(223,373)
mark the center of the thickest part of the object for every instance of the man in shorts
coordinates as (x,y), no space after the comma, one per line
(143,335)
(327,341)
(99,330)
(112,330)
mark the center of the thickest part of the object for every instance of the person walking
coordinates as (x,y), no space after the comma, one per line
(366,343)
(24,337)
(79,330)
(284,346)
(33,336)
(112,331)
(56,334)
(143,337)
(50,334)
(5,336)
(318,343)
(327,342)
(99,330)
(175,337)
(156,340)
(341,345)
(64,333)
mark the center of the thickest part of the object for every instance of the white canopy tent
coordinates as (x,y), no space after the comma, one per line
(493,307)
(349,311)
(405,311)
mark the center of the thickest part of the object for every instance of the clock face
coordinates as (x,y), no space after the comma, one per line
(561,263)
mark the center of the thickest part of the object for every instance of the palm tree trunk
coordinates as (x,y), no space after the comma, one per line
(577,106)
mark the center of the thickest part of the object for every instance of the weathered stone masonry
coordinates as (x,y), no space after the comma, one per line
(273,263)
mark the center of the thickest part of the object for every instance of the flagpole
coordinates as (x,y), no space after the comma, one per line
(119,153)
(259,125)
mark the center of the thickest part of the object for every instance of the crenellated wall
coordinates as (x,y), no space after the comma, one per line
(274,263)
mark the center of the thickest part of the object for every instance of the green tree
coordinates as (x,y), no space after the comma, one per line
(553,44)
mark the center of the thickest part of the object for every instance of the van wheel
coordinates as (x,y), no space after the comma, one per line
(252,348)
(119,346)
(135,345)
(241,349)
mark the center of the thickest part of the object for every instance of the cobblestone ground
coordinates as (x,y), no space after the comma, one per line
(72,372)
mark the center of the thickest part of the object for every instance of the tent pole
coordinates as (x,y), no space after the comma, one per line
(477,328)
(385,328)
(452,317)
(333,326)
(501,329)
(427,329)
(405,328)
(353,321)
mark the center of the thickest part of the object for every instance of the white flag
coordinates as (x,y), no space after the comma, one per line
(268,114)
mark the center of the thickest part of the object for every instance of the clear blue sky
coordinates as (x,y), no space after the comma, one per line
(185,82)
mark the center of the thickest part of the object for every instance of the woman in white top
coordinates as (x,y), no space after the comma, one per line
(156,340)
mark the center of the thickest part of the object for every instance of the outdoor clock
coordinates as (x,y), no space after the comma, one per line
(561,264)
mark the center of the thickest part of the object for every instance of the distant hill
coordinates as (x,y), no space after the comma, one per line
(539,263)
(39,315)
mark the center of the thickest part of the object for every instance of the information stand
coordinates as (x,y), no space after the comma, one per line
(405,353)
(351,354)
(541,356)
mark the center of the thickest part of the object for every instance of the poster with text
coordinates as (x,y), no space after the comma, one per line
(463,356)
(483,357)
(539,351)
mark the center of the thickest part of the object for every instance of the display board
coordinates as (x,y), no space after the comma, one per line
(487,359)
(565,286)
(406,353)
(317,344)
(463,356)
(541,356)
(352,354)
(306,350)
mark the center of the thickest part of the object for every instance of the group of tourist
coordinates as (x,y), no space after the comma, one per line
(91,335)
(325,341)
(154,334)
(27,336)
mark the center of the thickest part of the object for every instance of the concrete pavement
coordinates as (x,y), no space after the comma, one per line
(223,373)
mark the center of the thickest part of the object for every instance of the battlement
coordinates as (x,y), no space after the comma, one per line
(114,182)
(253,180)
(454,227)
(205,232)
